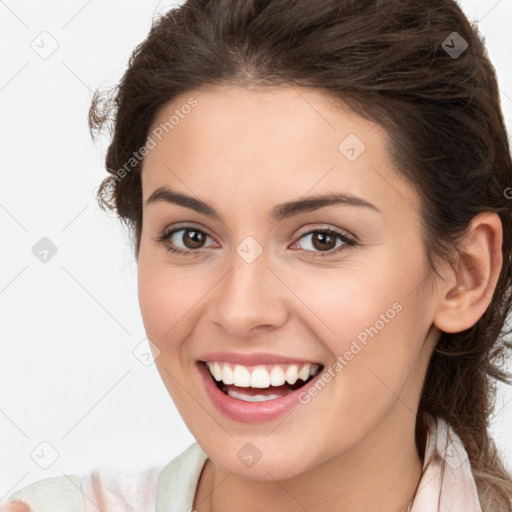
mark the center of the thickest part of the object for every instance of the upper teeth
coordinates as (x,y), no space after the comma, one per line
(261,376)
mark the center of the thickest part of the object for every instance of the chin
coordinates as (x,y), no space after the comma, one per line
(271,461)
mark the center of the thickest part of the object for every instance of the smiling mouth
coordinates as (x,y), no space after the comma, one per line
(263,382)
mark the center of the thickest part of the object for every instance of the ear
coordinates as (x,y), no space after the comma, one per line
(467,291)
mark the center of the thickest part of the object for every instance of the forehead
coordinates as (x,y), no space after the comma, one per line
(284,140)
(276,117)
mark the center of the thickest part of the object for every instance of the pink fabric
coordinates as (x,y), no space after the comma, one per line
(111,492)
(446,484)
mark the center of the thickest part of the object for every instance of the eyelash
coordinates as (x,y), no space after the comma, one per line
(348,241)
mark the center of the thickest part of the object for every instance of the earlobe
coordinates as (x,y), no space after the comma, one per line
(470,286)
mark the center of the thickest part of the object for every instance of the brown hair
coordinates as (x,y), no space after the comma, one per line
(389,62)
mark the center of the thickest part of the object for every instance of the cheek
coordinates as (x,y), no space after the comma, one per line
(170,298)
(353,301)
(371,315)
(166,301)
(377,349)
(371,370)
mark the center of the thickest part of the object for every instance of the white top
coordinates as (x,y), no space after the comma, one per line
(446,480)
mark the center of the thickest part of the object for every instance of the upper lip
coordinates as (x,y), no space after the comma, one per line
(255,358)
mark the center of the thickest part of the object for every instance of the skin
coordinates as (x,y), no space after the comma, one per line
(243,151)
(14,506)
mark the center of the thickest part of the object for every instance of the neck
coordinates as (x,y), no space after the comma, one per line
(381,472)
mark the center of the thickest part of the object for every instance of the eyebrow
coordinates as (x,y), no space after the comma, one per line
(278,212)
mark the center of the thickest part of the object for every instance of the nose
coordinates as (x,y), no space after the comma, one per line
(249,299)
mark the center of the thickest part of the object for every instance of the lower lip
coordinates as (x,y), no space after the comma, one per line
(251,412)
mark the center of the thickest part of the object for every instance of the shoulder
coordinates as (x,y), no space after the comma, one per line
(178,480)
(50,494)
(113,489)
(447,477)
(104,489)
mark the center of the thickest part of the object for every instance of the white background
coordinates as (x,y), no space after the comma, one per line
(68,327)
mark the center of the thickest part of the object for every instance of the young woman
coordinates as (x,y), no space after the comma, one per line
(319,195)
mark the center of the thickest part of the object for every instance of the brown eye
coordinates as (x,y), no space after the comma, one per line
(186,241)
(193,239)
(323,242)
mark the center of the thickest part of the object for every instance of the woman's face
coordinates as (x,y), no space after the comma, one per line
(259,278)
